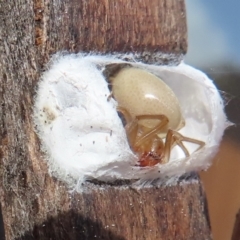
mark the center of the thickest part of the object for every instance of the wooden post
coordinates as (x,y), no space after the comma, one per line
(38,206)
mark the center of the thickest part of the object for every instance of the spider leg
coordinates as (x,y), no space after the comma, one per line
(131,126)
(150,133)
(125,113)
(110,96)
(175,138)
(180,138)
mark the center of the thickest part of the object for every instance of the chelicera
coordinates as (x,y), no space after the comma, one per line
(151,112)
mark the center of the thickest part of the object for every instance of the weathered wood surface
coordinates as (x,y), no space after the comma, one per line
(2,233)
(37,206)
(122,213)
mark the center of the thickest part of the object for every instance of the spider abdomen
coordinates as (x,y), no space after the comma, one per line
(142,93)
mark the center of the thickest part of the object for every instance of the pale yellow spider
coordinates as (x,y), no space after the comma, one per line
(151,111)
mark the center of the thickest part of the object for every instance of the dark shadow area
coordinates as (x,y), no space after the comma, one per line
(227,80)
(2,232)
(70,226)
(190,176)
(236,228)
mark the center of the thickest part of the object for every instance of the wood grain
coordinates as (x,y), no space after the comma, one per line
(142,27)
(120,212)
(38,206)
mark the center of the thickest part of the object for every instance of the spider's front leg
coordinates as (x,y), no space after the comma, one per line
(175,138)
(149,134)
(132,127)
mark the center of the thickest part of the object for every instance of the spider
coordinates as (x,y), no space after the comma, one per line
(151,112)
